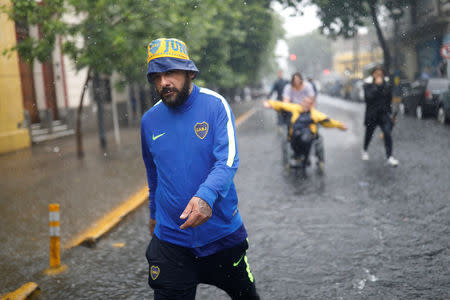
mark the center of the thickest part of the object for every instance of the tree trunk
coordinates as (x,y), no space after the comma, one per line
(79,136)
(386,53)
(98,96)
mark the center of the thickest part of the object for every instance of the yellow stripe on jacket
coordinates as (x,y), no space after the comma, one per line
(316,116)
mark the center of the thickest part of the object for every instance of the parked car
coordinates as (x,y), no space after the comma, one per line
(443,114)
(423,97)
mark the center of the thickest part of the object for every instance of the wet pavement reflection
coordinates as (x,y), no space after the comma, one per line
(362,230)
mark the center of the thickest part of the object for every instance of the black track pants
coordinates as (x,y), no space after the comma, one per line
(174,272)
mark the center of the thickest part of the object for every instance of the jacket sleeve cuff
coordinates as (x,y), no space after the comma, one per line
(207,195)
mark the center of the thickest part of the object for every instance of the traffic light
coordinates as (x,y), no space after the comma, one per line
(293,57)
(326,72)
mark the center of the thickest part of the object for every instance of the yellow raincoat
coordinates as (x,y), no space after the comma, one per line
(317,117)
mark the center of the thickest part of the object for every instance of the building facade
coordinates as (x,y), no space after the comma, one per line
(422,31)
(13,132)
(353,56)
(39,101)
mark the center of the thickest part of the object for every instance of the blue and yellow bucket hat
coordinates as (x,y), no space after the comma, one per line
(168,54)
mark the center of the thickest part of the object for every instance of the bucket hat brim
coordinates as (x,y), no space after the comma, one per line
(164,64)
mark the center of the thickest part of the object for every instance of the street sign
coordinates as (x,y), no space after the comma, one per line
(445,51)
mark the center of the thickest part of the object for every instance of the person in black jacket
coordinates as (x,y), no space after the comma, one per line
(378,97)
(278,87)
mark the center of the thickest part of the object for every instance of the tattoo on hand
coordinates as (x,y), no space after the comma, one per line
(204,208)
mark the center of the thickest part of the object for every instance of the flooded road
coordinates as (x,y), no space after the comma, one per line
(362,230)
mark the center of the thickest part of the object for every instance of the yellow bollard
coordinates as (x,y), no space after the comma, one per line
(55,236)
(55,241)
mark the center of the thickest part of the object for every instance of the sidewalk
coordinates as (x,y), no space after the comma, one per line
(86,190)
(51,173)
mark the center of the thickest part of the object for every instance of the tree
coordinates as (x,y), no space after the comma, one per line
(229,40)
(108,42)
(239,44)
(344,17)
(50,26)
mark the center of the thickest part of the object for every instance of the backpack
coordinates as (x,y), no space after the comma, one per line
(301,133)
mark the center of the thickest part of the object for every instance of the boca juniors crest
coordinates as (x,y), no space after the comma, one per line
(201,129)
(154,46)
(154,272)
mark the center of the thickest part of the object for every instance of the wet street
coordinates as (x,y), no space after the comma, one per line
(362,230)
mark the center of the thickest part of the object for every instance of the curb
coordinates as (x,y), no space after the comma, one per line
(22,293)
(107,222)
(90,236)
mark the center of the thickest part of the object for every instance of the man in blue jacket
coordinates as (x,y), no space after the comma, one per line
(190,154)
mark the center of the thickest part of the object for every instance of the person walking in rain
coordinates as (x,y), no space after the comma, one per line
(278,87)
(295,92)
(378,97)
(190,154)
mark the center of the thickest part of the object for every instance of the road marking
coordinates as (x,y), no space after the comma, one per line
(118,245)
(244,117)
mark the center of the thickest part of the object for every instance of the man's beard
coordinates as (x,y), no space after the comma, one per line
(179,98)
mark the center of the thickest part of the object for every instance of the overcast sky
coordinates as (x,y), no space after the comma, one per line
(294,25)
(298,24)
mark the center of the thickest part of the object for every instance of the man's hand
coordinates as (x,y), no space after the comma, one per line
(151,226)
(343,127)
(267,104)
(198,211)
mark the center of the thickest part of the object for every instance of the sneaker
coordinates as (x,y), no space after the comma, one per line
(365,155)
(392,161)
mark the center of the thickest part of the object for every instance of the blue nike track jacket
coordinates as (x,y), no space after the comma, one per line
(191,151)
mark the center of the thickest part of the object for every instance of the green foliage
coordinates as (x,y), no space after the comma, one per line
(26,12)
(341,17)
(230,41)
(344,17)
